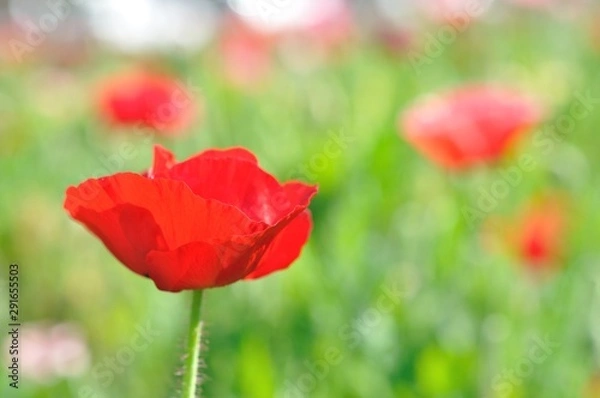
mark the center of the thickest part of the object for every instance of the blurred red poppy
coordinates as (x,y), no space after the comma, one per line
(540,232)
(535,236)
(208,221)
(148,100)
(469,125)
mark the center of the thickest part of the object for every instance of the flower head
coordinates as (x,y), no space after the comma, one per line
(208,221)
(535,236)
(539,236)
(469,125)
(148,100)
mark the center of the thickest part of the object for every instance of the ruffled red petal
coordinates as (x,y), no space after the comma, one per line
(163,161)
(285,248)
(231,153)
(165,214)
(233,176)
(199,265)
(128,232)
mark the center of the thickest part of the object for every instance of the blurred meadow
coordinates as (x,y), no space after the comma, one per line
(410,285)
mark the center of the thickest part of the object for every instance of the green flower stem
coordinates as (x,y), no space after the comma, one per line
(190,371)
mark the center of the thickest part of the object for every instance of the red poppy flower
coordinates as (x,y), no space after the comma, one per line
(540,234)
(208,221)
(148,100)
(470,125)
(536,236)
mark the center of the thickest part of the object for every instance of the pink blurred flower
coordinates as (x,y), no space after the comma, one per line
(328,25)
(246,53)
(454,11)
(12,44)
(50,352)
(311,29)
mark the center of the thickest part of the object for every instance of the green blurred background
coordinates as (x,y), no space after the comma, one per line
(466,321)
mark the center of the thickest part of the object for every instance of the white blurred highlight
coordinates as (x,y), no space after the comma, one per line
(285,15)
(144,25)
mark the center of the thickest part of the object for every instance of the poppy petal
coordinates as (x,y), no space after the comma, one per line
(299,193)
(198,259)
(231,153)
(441,149)
(234,181)
(163,161)
(128,232)
(201,265)
(285,248)
(180,216)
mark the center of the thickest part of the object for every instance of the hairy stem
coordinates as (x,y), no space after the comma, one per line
(190,371)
